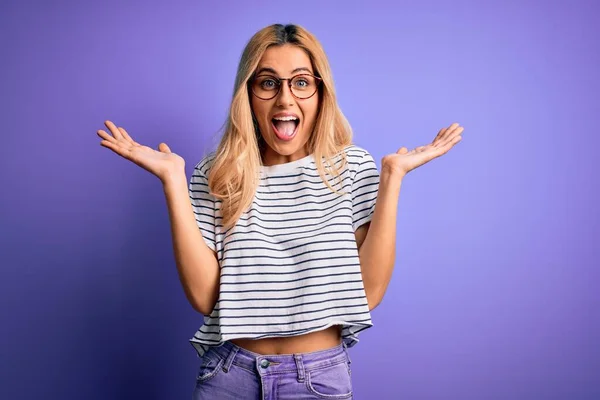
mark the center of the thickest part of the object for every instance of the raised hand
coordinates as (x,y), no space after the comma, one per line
(404,161)
(162,163)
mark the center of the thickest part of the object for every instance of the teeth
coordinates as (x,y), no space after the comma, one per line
(286,118)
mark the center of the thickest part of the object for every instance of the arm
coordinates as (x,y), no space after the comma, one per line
(197,264)
(377,240)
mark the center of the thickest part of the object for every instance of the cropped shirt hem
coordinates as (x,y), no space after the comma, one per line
(350,333)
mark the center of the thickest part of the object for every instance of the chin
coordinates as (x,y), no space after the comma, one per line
(286,149)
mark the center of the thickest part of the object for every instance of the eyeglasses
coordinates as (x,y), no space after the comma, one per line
(302,86)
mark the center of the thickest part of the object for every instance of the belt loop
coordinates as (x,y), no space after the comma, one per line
(229,359)
(347,352)
(300,367)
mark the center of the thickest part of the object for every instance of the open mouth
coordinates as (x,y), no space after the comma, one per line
(285,128)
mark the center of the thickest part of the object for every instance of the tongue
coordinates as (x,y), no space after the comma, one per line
(285,127)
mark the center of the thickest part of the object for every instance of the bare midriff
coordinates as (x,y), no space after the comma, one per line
(306,343)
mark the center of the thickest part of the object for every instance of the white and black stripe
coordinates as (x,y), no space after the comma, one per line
(290,265)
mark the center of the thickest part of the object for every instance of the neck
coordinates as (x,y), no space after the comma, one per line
(271,157)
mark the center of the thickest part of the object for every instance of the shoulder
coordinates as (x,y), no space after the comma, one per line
(356,152)
(203,167)
(358,157)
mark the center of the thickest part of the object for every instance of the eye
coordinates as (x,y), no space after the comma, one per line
(268,83)
(301,82)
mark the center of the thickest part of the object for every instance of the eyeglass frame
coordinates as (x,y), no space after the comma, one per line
(251,83)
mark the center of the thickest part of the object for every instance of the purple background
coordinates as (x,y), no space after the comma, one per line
(495,289)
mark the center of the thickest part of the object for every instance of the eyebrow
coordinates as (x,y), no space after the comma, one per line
(271,70)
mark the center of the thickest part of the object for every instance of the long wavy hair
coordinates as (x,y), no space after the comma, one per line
(234,175)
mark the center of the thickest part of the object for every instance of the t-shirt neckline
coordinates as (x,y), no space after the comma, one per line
(286,167)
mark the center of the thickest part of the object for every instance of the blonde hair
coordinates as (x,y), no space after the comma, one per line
(234,175)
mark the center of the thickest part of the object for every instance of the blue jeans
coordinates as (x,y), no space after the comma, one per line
(231,372)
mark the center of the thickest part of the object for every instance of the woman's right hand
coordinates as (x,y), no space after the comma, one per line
(162,163)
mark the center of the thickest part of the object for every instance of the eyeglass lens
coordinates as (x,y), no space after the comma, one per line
(267,86)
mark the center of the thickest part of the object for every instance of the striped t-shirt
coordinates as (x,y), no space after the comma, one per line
(290,265)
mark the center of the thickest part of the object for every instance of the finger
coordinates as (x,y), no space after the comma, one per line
(447,132)
(114,130)
(443,136)
(164,148)
(120,143)
(441,150)
(118,147)
(449,128)
(439,135)
(402,150)
(453,128)
(452,131)
(114,146)
(106,136)
(126,136)
(451,136)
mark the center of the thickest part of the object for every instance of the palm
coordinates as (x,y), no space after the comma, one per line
(161,163)
(404,160)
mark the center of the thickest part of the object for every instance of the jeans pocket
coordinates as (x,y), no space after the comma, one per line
(331,382)
(210,365)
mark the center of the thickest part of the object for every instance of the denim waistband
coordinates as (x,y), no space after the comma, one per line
(279,363)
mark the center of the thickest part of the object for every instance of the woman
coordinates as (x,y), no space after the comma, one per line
(288,241)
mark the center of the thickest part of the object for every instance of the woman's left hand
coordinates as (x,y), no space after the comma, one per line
(404,161)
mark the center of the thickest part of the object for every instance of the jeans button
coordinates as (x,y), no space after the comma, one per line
(264,363)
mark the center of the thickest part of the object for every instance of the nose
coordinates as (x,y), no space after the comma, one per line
(285,97)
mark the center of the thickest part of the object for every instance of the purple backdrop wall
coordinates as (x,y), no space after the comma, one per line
(495,290)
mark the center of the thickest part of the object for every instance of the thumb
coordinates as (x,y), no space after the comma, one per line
(403,150)
(163,148)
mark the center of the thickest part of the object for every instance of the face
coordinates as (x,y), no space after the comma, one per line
(285,140)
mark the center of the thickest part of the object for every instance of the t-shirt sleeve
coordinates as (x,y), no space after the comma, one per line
(203,204)
(364,191)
